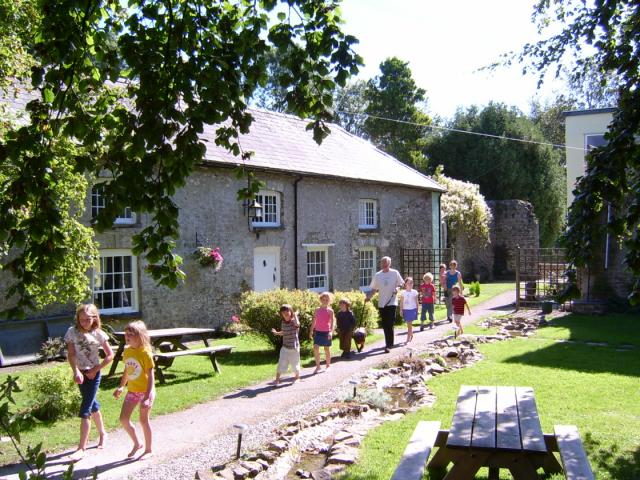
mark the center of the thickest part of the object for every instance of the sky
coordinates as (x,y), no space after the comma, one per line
(445,43)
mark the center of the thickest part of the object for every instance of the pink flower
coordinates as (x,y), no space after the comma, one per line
(235,319)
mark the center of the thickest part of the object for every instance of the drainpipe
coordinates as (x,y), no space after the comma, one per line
(295,232)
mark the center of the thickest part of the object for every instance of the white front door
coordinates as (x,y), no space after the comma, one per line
(266,268)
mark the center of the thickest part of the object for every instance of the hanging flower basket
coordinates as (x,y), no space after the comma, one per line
(209,257)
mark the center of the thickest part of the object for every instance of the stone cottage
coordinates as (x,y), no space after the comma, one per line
(329,213)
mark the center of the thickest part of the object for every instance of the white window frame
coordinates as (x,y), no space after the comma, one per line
(270,201)
(367,214)
(365,265)
(98,200)
(588,136)
(321,270)
(99,278)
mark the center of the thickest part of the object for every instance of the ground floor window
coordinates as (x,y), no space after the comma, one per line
(317,269)
(366,266)
(114,282)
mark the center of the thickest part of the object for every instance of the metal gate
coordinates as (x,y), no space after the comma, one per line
(415,262)
(540,275)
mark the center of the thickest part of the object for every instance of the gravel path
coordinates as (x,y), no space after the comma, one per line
(203,435)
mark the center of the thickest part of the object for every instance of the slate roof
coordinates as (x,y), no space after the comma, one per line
(282,143)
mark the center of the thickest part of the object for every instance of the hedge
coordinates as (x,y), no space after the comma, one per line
(259,311)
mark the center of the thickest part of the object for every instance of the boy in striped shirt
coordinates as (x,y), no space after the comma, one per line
(290,351)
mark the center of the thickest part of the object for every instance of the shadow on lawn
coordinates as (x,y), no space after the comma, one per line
(581,358)
(609,459)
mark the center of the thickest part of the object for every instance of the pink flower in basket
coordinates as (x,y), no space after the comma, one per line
(209,257)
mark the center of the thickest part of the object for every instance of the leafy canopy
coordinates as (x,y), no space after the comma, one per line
(124,90)
(601,36)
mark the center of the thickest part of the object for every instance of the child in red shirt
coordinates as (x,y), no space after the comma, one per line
(428,294)
(458,302)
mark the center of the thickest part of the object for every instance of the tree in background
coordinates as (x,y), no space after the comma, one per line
(179,65)
(612,177)
(505,169)
(350,105)
(394,95)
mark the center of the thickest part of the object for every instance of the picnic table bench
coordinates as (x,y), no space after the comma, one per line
(494,427)
(168,344)
(165,359)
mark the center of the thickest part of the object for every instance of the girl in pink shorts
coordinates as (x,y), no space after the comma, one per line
(138,376)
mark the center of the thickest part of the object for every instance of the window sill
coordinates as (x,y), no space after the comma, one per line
(368,229)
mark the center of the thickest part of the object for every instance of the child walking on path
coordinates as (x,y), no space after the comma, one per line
(428,294)
(453,277)
(290,351)
(409,306)
(346,323)
(83,344)
(458,302)
(139,377)
(322,330)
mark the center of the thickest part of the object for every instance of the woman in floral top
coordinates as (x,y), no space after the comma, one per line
(84,341)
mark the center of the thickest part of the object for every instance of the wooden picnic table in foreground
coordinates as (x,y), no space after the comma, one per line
(494,427)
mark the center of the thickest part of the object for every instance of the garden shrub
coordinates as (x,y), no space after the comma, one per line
(52,349)
(259,310)
(54,393)
(474,288)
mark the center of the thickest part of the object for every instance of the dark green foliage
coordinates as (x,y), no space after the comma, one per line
(474,289)
(259,310)
(394,95)
(505,169)
(613,172)
(179,65)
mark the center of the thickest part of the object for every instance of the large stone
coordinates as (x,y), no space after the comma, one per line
(342,458)
(342,435)
(254,468)
(240,473)
(267,456)
(279,445)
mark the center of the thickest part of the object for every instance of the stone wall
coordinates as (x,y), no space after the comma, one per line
(514,224)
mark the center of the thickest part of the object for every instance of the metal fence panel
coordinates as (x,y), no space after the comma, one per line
(415,262)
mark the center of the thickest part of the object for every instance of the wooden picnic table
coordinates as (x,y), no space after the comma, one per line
(494,427)
(173,336)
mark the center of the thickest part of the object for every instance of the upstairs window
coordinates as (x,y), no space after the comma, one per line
(99,201)
(270,202)
(368,214)
(594,140)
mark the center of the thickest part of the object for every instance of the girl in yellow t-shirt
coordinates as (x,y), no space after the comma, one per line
(138,374)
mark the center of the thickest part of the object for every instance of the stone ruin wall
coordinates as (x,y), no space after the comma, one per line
(514,224)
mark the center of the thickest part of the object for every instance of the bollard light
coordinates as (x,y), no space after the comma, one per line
(240,428)
(410,350)
(355,384)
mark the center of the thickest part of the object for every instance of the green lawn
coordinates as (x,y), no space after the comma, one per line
(593,387)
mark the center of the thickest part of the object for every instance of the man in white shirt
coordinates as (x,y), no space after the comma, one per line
(386,282)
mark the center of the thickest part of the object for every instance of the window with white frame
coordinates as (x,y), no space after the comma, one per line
(99,201)
(366,266)
(115,282)
(594,140)
(317,268)
(368,213)
(270,202)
